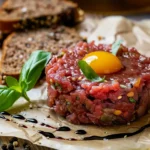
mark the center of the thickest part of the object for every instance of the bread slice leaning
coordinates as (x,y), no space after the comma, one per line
(31,14)
(18,46)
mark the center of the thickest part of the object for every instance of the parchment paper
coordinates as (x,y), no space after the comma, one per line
(133,34)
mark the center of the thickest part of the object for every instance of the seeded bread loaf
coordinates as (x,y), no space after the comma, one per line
(30,14)
(18,46)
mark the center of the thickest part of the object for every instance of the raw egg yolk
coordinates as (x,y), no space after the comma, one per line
(103,62)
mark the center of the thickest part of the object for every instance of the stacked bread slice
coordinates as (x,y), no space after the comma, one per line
(37,25)
(23,14)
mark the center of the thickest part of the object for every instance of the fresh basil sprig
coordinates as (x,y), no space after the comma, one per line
(116,47)
(30,73)
(7,97)
(89,73)
(32,69)
(12,83)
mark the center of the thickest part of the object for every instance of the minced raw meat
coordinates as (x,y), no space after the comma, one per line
(123,97)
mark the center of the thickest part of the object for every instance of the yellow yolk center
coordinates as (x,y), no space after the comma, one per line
(103,62)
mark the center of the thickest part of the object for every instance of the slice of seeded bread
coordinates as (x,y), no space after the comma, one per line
(31,14)
(18,46)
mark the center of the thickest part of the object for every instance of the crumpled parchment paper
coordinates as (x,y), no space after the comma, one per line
(108,30)
(135,34)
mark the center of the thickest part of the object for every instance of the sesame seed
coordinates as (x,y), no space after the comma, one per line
(73,79)
(120,97)
(80,78)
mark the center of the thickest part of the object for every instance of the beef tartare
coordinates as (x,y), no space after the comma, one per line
(122,97)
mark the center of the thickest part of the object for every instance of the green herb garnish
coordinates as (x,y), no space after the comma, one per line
(132,100)
(116,47)
(30,73)
(89,73)
(7,97)
(77,97)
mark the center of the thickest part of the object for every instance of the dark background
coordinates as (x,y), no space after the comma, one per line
(115,6)
(111,7)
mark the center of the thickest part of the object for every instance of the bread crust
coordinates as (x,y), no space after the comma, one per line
(7,26)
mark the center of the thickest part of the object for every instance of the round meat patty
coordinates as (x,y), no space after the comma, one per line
(121,98)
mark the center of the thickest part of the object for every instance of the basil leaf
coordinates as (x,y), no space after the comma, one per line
(24,94)
(33,68)
(132,100)
(30,73)
(8,97)
(116,46)
(89,73)
(11,81)
(3,87)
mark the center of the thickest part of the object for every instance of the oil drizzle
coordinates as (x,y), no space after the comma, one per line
(63,128)
(47,134)
(2,117)
(117,136)
(42,124)
(23,126)
(47,125)
(5,113)
(18,117)
(81,132)
(32,120)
